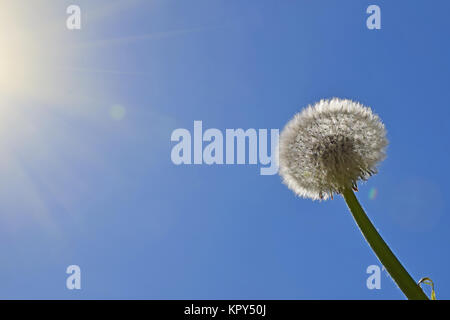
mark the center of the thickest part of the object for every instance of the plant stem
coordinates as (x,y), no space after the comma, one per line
(404,281)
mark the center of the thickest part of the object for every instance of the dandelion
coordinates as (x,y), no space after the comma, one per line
(325,150)
(329,147)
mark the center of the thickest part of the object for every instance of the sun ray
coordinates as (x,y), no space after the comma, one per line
(41,105)
(142,37)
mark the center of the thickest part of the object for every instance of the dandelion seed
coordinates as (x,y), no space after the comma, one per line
(330,146)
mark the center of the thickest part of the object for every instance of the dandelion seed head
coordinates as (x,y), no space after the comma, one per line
(329,146)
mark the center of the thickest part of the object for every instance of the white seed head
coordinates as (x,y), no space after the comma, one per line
(330,146)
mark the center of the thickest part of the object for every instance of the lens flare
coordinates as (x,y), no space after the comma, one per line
(373,193)
(117,112)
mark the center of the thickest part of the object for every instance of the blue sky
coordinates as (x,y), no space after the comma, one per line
(79,186)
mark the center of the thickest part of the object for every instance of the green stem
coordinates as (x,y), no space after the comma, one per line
(405,282)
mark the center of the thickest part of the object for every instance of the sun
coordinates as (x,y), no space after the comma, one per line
(18,53)
(54,96)
(33,47)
